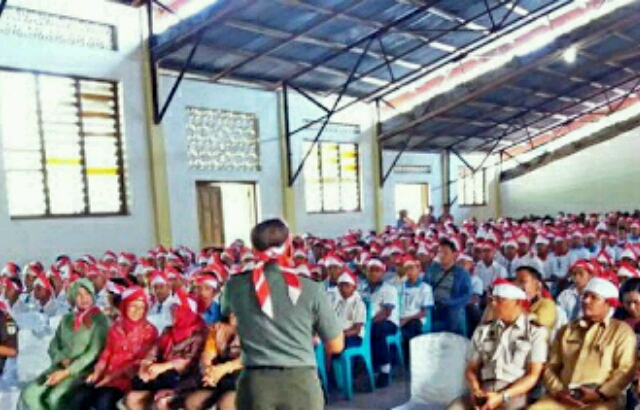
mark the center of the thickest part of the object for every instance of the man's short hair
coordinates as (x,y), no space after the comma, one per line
(271,233)
(532,271)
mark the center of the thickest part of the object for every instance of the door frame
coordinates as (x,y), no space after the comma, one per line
(253,184)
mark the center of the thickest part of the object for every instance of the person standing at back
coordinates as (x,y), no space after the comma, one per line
(278,314)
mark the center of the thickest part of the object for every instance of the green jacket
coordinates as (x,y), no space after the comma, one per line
(82,347)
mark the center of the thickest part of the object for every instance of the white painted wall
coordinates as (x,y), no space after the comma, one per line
(26,240)
(460,213)
(182,179)
(433,179)
(601,178)
(334,224)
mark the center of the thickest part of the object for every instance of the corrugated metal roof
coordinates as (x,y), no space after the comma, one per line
(533,95)
(316,44)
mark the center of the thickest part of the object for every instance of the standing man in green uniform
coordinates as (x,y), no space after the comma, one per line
(278,315)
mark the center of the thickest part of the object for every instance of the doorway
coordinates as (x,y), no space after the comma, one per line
(226,211)
(414,198)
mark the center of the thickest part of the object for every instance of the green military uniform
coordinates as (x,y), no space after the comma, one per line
(504,353)
(81,347)
(601,354)
(278,355)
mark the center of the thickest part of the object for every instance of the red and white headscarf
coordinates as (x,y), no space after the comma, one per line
(279,256)
(605,289)
(502,288)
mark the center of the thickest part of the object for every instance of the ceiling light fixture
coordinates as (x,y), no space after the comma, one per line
(570,54)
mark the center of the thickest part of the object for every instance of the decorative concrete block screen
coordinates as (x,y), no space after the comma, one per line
(24,22)
(222,140)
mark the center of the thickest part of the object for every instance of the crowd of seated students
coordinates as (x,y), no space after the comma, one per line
(147,330)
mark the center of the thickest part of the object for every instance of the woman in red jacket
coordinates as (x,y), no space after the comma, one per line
(130,338)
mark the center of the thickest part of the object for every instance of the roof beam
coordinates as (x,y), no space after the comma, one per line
(228,8)
(247,55)
(378,25)
(405,17)
(582,113)
(291,38)
(570,149)
(521,66)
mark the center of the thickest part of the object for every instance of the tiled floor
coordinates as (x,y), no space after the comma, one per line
(381,399)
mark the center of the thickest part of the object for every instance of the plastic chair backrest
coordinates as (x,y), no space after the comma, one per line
(438,362)
(366,340)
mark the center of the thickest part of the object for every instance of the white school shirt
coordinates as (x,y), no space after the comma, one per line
(509,265)
(560,266)
(416,297)
(333,293)
(488,274)
(160,314)
(477,287)
(383,295)
(571,302)
(350,311)
(578,254)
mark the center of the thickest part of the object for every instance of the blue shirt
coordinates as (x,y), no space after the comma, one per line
(212,314)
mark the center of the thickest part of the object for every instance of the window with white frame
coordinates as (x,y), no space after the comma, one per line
(332,178)
(472,187)
(62,145)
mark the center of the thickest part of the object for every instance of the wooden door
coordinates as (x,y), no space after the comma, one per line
(210,215)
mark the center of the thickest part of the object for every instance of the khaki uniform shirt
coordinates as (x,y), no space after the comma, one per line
(602,354)
(505,351)
(544,312)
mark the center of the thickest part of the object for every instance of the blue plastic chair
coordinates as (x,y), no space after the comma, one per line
(395,340)
(428,321)
(342,365)
(322,365)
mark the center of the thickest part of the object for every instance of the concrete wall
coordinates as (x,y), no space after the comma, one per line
(26,240)
(601,178)
(182,179)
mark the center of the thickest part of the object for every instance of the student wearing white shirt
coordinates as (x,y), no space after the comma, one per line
(488,269)
(383,299)
(508,257)
(160,312)
(417,297)
(543,260)
(473,309)
(570,299)
(351,310)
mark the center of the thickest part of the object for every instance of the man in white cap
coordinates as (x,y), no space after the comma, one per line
(577,251)
(488,269)
(350,309)
(508,257)
(592,359)
(383,299)
(506,356)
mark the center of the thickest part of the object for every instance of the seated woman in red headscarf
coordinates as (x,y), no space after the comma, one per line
(172,360)
(129,340)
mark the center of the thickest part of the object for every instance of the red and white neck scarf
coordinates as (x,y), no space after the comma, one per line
(279,256)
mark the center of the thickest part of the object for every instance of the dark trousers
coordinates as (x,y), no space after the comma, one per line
(412,329)
(96,398)
(474,316)
(295,388)
(204,398)
(352,341)
(166,381)
(448,319)
(379,348)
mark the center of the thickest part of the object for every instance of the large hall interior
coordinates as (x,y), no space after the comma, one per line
(143,140)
